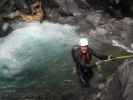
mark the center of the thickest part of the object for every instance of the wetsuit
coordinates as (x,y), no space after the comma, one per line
(83,64)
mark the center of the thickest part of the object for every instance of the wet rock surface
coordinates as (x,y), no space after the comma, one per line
(119,87)
(77,12)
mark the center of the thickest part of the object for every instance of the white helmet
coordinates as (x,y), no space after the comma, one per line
(83,42)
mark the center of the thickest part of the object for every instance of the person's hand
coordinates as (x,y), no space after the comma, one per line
(98,62)
(110,57)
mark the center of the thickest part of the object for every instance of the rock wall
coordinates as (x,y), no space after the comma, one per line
(86,13)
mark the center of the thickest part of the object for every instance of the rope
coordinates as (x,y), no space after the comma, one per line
(117,58)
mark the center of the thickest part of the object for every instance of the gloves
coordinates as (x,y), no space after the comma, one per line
(98,62)
(110,57)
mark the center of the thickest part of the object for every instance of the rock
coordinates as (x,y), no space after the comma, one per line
(120,86)
(68,7)
(132,45)
(85,26)
(6,6)
(101,86)
(5,29)
(94,18)
(128,20)
(51,4)
(101,31)
(83,4)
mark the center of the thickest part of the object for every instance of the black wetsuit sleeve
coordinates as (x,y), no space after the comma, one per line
(81,63)
(77,59)
(98,55)
(74,54)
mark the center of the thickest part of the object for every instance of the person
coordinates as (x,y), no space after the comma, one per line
(82,56)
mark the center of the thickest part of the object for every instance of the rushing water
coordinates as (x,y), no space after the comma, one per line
(37,54)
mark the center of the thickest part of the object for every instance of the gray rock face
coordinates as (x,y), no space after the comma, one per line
(82,14)
(7,6)
(120,87)
(74,7)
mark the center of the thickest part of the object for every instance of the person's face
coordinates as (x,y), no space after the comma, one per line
(83,49)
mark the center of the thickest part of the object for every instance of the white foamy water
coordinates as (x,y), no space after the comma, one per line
(35,44)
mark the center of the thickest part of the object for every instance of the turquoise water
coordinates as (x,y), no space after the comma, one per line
(37,55)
